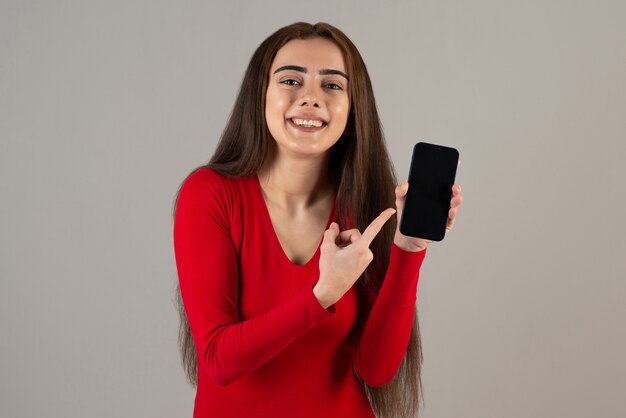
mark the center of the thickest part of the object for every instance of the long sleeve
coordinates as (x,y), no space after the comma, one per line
(386,334)
(207,265)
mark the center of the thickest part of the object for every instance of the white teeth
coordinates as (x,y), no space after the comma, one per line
(308,123)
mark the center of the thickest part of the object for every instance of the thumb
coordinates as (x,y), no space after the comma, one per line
(331,233)
(402,189)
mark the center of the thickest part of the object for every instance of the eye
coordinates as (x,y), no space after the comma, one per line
(333,86)
(290,82)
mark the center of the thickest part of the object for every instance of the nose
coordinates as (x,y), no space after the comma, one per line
(310,96)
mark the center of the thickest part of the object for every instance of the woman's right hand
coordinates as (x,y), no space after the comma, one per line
(344,256)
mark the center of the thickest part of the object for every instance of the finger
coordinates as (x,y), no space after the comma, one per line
(451,219)
(456,189)
(456,201)
(377,224)
(349,235)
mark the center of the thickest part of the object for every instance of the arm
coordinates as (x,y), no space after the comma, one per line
(227,348)
(386,334)
(387,331)
(383,342)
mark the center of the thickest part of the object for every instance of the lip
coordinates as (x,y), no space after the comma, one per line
(307,117)
(307,128)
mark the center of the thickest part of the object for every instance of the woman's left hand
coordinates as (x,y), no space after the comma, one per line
(418,244)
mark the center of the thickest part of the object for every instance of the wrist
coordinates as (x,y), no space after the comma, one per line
(322,297)
(409,247)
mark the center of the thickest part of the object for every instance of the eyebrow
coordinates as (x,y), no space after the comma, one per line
(325,71)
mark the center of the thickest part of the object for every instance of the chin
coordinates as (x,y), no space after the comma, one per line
(310,151)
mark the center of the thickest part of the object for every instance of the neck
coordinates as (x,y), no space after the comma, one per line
(294,183)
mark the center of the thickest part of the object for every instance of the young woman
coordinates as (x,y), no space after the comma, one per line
(298,290)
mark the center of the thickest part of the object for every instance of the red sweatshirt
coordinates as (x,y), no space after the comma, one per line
(265,345)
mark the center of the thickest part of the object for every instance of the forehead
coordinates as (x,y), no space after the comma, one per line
(314,53)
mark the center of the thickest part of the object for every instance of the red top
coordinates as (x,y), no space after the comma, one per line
(265,345)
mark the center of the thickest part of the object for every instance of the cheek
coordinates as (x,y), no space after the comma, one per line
(342,109)
(275,107)
(275,103)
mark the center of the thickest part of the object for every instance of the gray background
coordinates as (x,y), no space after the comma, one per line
(106,106)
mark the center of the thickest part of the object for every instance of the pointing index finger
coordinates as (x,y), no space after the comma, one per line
(377,224)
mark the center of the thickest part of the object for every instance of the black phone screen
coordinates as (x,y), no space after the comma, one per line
(431,177)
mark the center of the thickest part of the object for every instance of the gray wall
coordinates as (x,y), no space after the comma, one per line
(106,106)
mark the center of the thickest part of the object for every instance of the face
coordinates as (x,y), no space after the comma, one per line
(307,102)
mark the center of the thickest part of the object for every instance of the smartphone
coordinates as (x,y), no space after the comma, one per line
(431,177)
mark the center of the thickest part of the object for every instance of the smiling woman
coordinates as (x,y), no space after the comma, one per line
(297,291)
(307,105)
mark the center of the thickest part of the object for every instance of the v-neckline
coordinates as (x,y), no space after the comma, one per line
(274,235)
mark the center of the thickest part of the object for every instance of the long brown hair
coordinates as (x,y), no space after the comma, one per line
(363,176)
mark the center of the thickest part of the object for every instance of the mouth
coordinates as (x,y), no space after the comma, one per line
(310,124)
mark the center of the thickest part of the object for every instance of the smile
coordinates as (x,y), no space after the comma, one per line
(308,123)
